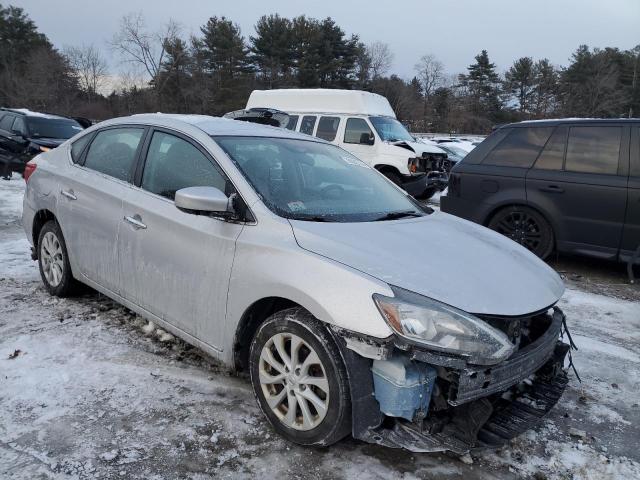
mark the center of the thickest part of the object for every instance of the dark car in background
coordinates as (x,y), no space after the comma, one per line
(571,185)
(24,134)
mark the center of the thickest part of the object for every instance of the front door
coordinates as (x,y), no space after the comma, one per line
(360,140)
(90,203)
(174,264)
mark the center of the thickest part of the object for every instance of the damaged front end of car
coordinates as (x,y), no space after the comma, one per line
(451,381)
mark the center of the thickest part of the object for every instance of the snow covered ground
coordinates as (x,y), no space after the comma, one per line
(87,390)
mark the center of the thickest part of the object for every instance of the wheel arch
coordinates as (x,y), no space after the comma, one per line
(249,323)
(381,167)
(39,220)
(497,208)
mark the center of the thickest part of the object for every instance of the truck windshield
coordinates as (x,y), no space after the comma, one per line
(306,180)
(390,129)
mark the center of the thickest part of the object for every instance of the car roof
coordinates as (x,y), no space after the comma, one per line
(552,122)
(214,126)
(30,113)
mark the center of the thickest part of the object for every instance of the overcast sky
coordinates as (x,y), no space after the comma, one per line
(454,30)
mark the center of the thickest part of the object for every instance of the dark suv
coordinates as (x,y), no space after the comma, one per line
(572,185)
(24,134)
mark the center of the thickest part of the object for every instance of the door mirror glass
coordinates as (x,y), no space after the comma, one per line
(366,139)
(202,199)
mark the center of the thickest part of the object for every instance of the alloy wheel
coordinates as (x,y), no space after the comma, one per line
(52,259)
(520,227)
(294,381)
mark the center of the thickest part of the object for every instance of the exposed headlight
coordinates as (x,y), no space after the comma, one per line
(444,328)
(43,149)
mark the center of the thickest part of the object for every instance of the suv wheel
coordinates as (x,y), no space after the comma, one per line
(299,379)
(53,261)
(525,226)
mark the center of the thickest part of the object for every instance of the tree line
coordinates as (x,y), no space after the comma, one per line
(215,70)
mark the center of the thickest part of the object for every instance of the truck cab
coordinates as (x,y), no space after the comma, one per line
(365,125)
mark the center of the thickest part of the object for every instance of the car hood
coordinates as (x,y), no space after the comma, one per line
(418,147)
(48,142)
(442,257)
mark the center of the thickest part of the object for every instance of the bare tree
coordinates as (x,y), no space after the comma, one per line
(89,66)
(380,57)
(138,46)
(431,74)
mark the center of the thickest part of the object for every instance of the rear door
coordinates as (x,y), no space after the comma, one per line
(631,234)
(175,264)
(580,183)
(90,201)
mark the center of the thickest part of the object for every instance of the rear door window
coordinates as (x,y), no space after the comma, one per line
(552,156)
(519,148)
(327,128)
(293,121)
(113,152)
(593,150)
(307,124)
(355,130)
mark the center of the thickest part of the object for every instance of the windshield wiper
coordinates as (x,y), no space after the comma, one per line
(313,219)
(401,214)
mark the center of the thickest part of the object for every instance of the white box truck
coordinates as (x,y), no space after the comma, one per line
(365,125)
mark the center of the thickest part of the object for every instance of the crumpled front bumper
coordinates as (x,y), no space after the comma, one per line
(488,406)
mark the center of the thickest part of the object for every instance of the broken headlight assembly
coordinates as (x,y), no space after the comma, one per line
(443,328)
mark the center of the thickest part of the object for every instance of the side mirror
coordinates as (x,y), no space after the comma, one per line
(203,199)
(366,138)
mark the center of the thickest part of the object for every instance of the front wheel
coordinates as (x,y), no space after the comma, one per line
(525,226)
(299,379)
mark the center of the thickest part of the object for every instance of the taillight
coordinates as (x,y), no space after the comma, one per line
(29,168)
(455,185)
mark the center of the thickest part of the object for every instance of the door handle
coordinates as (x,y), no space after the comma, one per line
(135,221)
(69,194)
(552,189)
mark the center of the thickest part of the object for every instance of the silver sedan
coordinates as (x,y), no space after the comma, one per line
(352,308)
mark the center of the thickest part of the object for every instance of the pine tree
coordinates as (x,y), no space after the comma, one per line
(483,86)
(273,50)
(519,83)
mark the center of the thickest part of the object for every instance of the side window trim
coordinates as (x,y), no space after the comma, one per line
(136,157)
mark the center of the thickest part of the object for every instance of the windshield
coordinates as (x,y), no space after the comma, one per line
(390,129)
(52,127)
(306,180)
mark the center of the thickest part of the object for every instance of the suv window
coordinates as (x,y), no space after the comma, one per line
(552,156)
(6,122)
(293,121)
(19,126)
(78,146)
(173,163)
(327,128)
(593,150)
(519,148)
(307,124)
(113,152)
(354,130)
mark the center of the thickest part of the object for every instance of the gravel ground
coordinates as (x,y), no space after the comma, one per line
(89,390)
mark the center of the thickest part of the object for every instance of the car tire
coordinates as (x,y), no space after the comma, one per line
(312,376)
(525,226)
(53,261)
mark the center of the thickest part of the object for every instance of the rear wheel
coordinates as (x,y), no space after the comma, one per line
(53,261)
(299,379)
(428,193)
(525,226)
